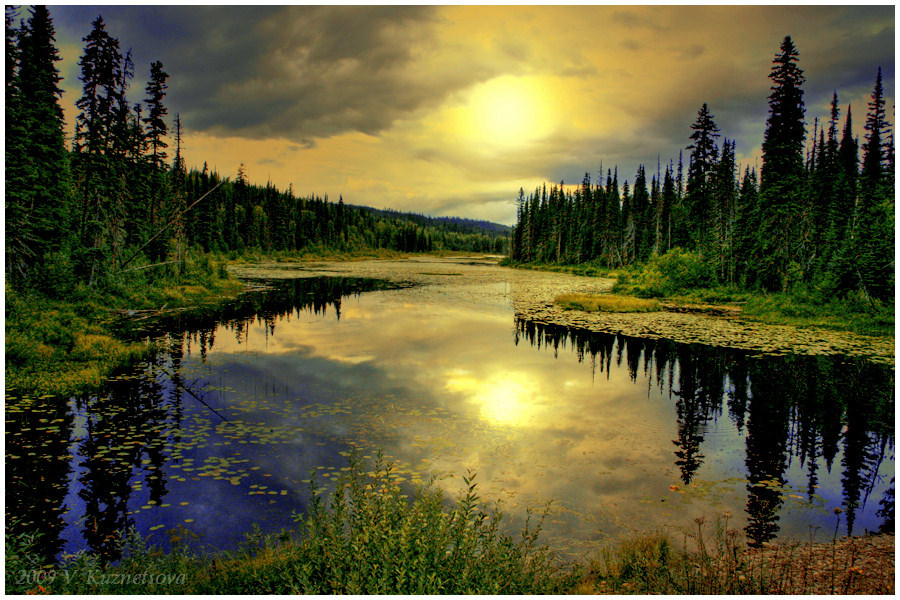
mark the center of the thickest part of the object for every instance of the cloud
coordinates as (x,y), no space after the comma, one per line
(299,72)
(365,100)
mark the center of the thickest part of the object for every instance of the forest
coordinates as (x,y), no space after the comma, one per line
(815,216)
(119,198)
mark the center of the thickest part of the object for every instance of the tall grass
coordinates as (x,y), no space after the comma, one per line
(370,538)
(718,562)
(606,303)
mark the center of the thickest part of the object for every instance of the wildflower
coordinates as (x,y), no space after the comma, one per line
(673,487)
(727,514)
(700,520)
(838,510)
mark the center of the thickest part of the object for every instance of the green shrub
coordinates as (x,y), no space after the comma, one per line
(370,539)
(373,539)
(56,275)
(685,270)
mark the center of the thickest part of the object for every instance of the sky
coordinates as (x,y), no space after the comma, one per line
(449,110)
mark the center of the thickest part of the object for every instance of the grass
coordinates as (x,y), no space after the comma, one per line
(606,303)
(373,538)
(680,278)
(718,562)
(63,339)
(370,538)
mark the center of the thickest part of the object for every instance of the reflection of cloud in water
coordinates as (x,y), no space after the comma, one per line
(441,389)
(533,426)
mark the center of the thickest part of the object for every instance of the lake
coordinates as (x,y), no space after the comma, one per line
(437,367)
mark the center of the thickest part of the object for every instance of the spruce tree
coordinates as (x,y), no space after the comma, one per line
(37,180)
(699,195)
(873,236)
(781,176)
(94,167)
(156,111)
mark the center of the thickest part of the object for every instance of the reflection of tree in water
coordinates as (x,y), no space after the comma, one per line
(283,299)
(126,444)
(807,408)
(37,468)
(886,510)
(691,418)
(134,424)
(766,456)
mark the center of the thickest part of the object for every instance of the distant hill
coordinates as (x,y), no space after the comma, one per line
(457,224)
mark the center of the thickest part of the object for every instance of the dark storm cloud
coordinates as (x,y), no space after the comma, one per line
(298,73)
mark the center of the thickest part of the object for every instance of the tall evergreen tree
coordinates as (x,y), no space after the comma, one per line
(781,176)
(37,182)
(94,167)
(640,203)
(873,235)
(156,111)
(699,198)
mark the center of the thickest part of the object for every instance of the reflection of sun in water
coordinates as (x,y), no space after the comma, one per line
(507,112)
(502,399)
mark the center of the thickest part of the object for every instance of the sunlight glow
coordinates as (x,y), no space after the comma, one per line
(502,399)
(507,112)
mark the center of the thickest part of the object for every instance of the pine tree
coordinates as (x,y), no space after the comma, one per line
(94,167)
(699,197)
(37,179)
(874,156)
(781,176)
(725,199)
(667,201)
(873,236)
(640,203)
(747,222)
(156,112)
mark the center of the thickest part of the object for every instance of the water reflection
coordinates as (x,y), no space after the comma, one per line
(806,409)
(220,430)
(38,466)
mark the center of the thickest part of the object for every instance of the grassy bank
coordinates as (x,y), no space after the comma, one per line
(61,337)
(606,303)
(681,279)
(371,538)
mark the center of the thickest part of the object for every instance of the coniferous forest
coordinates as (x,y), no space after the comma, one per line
(120,196)
(818,215)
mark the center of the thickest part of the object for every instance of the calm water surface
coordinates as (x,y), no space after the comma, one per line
(622,434)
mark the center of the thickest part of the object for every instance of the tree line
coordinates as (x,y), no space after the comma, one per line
(114,198)
(815,215)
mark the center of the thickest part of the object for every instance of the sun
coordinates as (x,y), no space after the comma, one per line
(507,112)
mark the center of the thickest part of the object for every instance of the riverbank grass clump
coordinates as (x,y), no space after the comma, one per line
(607,303)
(716,561)
(373,538)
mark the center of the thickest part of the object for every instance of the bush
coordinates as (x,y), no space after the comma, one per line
(373,539)
(685,270)
(56,275)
